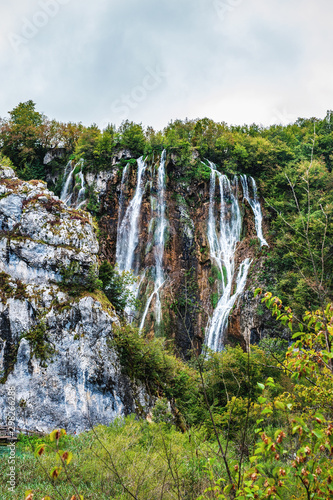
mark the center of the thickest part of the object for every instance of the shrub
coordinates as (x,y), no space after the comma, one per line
(116,286)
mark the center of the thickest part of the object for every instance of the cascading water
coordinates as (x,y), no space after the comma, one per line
(159,239)
(81,196)
(128,230)
(222,242)
(122,197)
(66,193)
(255,205)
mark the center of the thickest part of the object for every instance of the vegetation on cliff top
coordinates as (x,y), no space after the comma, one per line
(277,156)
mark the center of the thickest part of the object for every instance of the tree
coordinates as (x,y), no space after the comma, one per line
(132,137)
(22,140)
(116,286)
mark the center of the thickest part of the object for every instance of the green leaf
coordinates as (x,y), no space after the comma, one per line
(227,489)
(261,386)
(257,291)
(267,411)
(318,434)
(318,326)
(262,400)
(295,335)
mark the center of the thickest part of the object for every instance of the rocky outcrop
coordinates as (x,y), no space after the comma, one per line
(55,349)
(39,236)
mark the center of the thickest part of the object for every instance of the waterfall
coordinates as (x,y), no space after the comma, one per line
(122,196)
(128,228)
(222,242)
(80,196)
(160,236)
(66,194)
(159,240)
(255,205)
(67,190)
(219,321)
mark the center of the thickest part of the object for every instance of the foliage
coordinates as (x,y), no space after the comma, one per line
(5,162)
(10,288)
(27,135)
(93,204)
(277,436)
(62,459)
(96,147)
(292,455)
(301,258)
(116,286)
(292,166)
(132,137)
(75,282)
(39,343)
(162,412)
(128,458)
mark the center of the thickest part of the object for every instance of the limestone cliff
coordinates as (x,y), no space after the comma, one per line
(191,281)
(54,349)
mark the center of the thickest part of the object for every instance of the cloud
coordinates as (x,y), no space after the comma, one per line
(232,60)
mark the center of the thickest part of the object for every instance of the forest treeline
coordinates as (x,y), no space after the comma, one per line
(27,135)
(278,157)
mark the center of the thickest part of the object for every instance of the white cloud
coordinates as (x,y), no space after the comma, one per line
(257,61)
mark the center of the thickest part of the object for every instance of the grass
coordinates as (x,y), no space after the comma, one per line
(151,460)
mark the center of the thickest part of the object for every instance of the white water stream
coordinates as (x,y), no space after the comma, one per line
(128,228)
(223,235)
(159,239)
(224,232)
(81,195)
(67,191)
(254,204)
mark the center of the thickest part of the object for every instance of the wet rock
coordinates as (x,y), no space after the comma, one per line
(54,349)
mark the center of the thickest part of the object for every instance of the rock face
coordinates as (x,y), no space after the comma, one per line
(39,236)
(54,349)
(188,293)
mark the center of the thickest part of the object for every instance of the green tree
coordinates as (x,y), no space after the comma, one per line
(132,137)
(116,286)
(22,139)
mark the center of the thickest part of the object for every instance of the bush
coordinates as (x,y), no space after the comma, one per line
(39,343)
(76,282)
(116,286)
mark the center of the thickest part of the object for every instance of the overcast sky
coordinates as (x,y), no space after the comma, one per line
(152,61)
